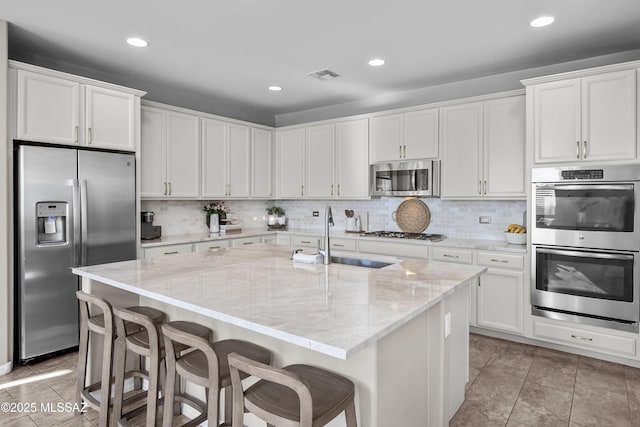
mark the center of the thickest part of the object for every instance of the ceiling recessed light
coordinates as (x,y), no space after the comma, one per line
(137,42)
(275,88)
(376,62)
(542,21)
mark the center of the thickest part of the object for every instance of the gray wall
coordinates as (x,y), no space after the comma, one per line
(463,89)
(6,293)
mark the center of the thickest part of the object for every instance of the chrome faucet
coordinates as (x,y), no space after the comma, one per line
(328,221)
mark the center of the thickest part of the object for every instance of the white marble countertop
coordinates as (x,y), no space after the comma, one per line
(481,244)
(336,309)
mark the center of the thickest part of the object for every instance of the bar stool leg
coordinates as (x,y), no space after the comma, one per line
(105,387)
(169,387)
(350,413)
(82,356)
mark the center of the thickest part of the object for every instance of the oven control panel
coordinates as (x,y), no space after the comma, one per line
(583,174)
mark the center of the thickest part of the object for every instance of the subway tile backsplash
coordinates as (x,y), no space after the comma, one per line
(455,219)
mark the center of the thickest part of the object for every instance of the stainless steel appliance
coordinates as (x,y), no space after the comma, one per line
(586,244)
(148,230)
(73,207)
(403,235)
(407,178)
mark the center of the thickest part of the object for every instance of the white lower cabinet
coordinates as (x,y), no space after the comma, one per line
(460,256)
(245,241)
(304,241)
(167,250)
(406,250)
(347,245)
(609,343)
(500,292)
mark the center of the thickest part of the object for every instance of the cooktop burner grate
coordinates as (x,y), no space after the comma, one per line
(404,235)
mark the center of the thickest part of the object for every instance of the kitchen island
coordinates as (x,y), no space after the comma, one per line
(399,332)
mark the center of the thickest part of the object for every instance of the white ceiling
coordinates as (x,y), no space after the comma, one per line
(229,51)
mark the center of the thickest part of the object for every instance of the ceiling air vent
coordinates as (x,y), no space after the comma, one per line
(324,74)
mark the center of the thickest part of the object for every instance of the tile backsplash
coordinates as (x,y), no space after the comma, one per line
(455,219)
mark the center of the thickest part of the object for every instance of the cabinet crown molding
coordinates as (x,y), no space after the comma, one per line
(79,79)
(581,73)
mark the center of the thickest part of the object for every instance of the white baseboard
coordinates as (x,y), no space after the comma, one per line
(6,368)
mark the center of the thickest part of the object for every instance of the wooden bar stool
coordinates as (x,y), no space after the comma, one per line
(296,395)
(100,322)
(206,366)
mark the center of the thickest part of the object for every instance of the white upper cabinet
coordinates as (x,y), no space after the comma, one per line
(591,118)
(320,152)
(261,163)
(483,149)
(411,135)
(291,163)
(170,154)
(64,111)
(352,159)
(226,159)
(326,161)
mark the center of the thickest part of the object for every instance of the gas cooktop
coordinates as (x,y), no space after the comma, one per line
(403,235)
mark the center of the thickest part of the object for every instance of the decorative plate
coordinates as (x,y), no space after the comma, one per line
(413,216)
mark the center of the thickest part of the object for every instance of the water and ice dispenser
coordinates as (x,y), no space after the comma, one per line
(52,222)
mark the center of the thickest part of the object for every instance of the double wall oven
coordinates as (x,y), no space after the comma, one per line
(585,236)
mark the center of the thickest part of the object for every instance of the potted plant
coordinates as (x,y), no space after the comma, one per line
(216,213)
(276,215)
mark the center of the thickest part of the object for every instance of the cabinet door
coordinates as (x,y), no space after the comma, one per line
(387,138)
(109,118)
(461,150)
(320,147)
(504,147)
(214,165)
(500,300)
(183,158)
(291,167)
(167,250)
(48,109)
(153,161)
(239,161)
(609,116)
(261,162)
(421,134)
(556,121)
(352,159)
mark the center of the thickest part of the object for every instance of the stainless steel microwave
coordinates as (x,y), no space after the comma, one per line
(406,178)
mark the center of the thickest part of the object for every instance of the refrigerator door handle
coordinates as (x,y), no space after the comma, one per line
(75,234)
(83,221)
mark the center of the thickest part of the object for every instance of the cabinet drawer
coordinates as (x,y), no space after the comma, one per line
(211,246)
(461,256)
(343,244)
(404,250)
(167,250)
(245,241)
(604,343)
(304,241)
(283,240)
(501,260)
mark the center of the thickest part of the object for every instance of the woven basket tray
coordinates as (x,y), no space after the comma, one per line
(413,216)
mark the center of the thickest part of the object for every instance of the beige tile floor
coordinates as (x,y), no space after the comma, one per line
(513,385)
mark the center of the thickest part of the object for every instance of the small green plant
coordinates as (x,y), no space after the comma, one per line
(275,210)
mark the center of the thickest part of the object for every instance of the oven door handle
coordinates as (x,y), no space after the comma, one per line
(607,255)
(571,187)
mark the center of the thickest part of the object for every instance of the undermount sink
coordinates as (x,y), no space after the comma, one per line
(359,262)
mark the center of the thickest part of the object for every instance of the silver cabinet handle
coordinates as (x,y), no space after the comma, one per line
(578,337)
(480,187)
(577,149)
(305,241)
(169,188)
(90,136)
(211,248)
(400,151)
(484,189)
(171,253)
(337,245)
(450,256)
(75,135)
(247,243)
(584,150)
(404,151)
(165,188)
(499,260)
(302,190)
(332,189)
(338,189)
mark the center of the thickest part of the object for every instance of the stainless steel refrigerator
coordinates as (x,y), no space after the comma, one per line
(73,207)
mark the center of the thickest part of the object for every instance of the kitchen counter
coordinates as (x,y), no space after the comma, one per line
(381,327)
(480,244)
